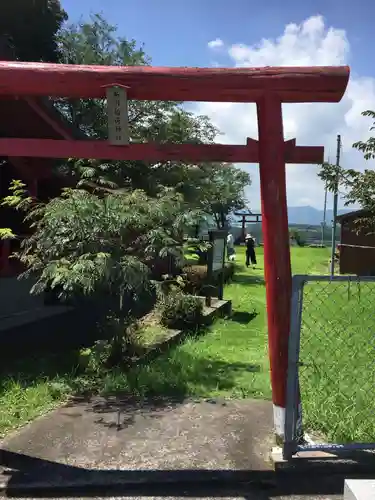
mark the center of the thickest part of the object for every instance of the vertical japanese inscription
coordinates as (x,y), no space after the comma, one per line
(117,110)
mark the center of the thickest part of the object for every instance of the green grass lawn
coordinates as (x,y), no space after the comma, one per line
(31,388)
(338,355)
(230,360)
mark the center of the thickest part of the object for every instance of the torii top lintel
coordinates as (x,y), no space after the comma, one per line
(291,84)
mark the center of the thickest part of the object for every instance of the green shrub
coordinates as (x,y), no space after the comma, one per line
(298,238)
(120,341)
(93,359)
(229,271)
(182,312)
(196,278)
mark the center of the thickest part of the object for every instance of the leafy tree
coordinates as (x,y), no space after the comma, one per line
(361,190)
(29,28)
(297,237)
(96,42)
(84,242)
(368,147)
(331,175)
(105,247)
(221,190)
(358,187)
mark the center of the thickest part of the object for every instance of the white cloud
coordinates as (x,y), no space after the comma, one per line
(308,44)
(215,44)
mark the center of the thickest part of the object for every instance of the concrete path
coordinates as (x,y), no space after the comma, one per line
(159,449)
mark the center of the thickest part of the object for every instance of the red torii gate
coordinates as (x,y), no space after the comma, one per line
(267,87)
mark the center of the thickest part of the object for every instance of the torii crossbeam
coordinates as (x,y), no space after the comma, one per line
(267,87)
(249,153)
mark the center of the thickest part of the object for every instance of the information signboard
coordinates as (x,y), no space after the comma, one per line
(216,261)
(218,253)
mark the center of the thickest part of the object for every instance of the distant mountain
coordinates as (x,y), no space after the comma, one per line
(304,216)
(310,215)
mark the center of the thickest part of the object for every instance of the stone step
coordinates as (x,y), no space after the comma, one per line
(15,297)
(359,489)
(22,318)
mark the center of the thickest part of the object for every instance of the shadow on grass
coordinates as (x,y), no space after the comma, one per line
(178,374)
(175,373)
(171,372)
(245,279)
(26,370)
(243,317)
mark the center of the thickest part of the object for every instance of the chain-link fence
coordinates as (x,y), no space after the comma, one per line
(331,369)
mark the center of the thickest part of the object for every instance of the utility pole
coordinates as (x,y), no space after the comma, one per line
(324,210)
(324,213)
(335,202)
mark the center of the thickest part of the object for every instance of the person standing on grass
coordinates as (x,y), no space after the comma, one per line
(231,254)
(250,251)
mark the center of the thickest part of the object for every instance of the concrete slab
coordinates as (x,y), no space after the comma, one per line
(359,489)
(156,448)
(157,434)
(318,462)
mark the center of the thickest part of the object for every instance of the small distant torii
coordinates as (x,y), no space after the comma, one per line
(245,215)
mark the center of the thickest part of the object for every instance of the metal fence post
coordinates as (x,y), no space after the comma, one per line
(292,411)
(332,338)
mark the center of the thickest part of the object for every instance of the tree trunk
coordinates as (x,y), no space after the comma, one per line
(223,220)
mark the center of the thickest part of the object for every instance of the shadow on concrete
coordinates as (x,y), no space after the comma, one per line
(120,411)
(26,476)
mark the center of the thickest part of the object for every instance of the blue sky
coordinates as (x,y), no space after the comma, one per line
(176,32)
(272,32)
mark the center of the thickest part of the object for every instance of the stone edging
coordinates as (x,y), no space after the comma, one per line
(220,307)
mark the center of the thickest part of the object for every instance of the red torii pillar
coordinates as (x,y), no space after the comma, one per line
(267,87)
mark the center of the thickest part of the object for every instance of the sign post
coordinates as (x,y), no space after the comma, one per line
(117,110)
(216,260)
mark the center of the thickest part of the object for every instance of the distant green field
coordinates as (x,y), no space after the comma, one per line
(308,233)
